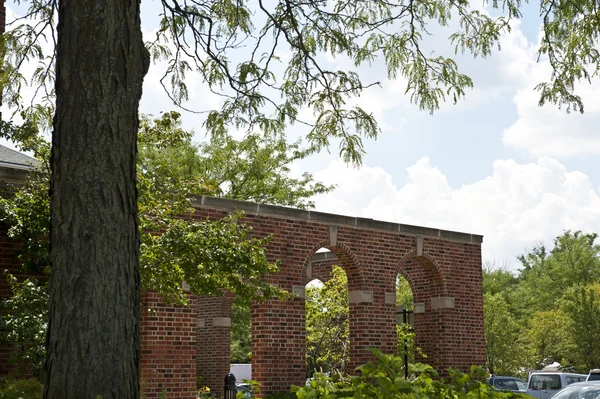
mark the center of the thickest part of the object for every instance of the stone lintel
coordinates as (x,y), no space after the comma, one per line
(333,230)
(419,245)
(390,298)
(419,307)
(222,322)
(299,291)
(442,302)
(360,296)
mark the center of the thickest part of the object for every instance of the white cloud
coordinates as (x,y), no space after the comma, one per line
(514,208)
(552,132)
(548,130)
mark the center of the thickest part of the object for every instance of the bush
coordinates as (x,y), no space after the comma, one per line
(21,389)
(281,395)
(384,379)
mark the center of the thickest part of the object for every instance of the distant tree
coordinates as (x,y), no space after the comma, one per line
(254,168)
(504,354)
(404,295)
(549,339)
(498,280)
(241,332)
(547,275)
(581,304)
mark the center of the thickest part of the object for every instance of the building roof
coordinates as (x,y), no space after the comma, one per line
(10,158)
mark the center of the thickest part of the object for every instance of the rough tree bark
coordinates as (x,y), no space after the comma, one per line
(93,336)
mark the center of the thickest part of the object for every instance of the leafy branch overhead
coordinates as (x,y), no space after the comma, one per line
(266,60)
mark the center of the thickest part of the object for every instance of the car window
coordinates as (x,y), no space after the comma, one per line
(571,379)
(506,385)
(521,385)
(540,381)
(593,377)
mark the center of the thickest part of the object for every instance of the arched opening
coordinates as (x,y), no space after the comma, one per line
(241,331)
(327,321)
(405,322)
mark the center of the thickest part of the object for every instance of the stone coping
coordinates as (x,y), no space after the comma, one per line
(332,219)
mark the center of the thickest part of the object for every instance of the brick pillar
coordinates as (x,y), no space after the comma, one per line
(214,340)
(279,344)
(372,325)
(168,348)
(430,336)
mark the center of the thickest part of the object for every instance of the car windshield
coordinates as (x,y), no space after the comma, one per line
(594,377)
(521,385)
(579,392)
(544,381)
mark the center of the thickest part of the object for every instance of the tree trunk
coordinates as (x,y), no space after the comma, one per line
(93,335)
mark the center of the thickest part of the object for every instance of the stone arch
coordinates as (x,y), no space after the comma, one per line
(430,266)
(430,291)
(345,258)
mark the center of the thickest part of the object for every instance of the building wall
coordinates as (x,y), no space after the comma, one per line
(443,268)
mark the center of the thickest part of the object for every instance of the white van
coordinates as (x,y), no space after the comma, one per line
(543,385)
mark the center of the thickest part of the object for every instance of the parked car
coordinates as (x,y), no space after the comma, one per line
(580,390)
(594,375)
(245,389)
(542,385)
(512,384)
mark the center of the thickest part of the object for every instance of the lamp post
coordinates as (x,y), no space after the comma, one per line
(230,388)
(407,319)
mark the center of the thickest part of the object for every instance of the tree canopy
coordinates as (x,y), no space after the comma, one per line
(545,313)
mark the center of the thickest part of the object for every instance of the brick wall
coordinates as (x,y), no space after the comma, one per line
(167,353)
(443,268)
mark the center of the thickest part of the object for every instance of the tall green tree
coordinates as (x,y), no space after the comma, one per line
(327,325)
(581,303)
(97,71)
(503,350)
(549,340)
(547,275)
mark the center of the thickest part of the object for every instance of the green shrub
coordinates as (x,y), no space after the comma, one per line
(21,389)
(281,395)
(384,379)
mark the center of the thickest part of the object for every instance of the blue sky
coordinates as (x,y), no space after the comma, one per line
(494,164)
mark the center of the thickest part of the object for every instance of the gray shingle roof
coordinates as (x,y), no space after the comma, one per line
(14,159)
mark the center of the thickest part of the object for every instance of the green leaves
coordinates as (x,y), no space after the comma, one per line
(383,379)
(212,257)
(242,63)
(570,39)
(545,313)
(327,324)
(24,318)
